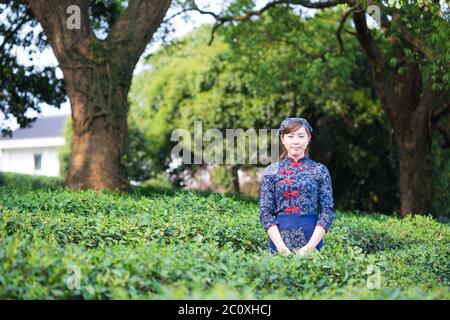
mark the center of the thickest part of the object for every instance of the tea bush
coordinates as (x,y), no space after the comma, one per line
(58,243)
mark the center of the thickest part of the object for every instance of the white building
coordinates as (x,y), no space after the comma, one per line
(34,150)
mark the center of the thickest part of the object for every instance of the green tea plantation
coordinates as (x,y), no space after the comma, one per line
(57,243)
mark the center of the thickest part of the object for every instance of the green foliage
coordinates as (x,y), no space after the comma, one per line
(190,81)
(24,86)
(25,181)
(426,25)
(191,246)
(159,181)
(137,157)
(222,176)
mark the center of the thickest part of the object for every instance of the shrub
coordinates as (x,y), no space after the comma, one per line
(187,245)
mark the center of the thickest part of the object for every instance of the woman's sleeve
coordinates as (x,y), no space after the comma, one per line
(326,213)
(267,201)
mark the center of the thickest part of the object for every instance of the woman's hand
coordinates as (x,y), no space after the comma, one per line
(305,250)
(284,251)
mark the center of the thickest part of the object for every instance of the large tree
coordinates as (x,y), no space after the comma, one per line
(97,76)
(412,79)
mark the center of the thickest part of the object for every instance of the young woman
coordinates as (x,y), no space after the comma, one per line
(296,199)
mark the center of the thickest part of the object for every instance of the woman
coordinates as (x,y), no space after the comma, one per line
(296,199)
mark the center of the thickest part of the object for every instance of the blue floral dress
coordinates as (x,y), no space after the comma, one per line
(296,196)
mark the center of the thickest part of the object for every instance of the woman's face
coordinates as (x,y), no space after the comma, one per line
(296,142)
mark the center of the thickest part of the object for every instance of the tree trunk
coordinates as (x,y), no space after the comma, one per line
(99,127)
(408,103)
(415,176)
(415,169)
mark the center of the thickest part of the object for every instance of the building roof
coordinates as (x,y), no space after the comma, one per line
(45,127)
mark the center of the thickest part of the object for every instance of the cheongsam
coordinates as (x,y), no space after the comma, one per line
(296,196)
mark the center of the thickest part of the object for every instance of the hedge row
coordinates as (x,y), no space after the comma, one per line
(61,244)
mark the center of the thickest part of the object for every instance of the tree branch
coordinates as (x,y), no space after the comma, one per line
(416,43)
(11,34)
(185,9)
(221,20)
(320,4)
(311,55)
(379,66)
(136,26)
(339,30)
(440,112)
(52,16)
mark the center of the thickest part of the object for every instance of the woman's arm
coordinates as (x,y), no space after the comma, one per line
(267,208)
(326,213)
(318,234)
(275,236)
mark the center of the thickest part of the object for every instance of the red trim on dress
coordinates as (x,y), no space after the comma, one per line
(286,180)
(296,164)
(285,171)
(291,209)
(290,194)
